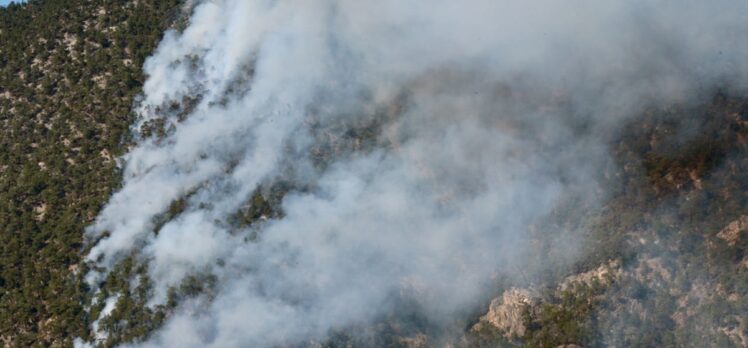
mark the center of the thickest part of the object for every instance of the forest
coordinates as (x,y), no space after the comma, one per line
(665,259)
(69,72)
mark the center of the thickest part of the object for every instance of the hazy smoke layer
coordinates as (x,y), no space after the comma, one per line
(487,111)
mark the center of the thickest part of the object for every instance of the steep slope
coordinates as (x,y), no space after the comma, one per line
(69,70)
(644,247)
(667,262)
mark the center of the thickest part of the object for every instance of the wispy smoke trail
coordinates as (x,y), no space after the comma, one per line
(488,112)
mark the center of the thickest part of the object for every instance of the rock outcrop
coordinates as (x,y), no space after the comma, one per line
(506,313)
(732,232)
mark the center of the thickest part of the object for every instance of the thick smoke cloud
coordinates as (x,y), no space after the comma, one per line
(491,111)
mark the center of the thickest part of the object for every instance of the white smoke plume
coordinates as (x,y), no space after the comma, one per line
(489,112)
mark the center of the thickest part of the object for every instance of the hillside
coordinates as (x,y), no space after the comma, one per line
(667,262)
(457,208)
(69,71)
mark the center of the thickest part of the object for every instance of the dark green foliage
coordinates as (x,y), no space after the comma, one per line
(132,320)
(563,319)
(69,70)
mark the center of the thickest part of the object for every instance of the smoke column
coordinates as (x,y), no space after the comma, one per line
(485,114)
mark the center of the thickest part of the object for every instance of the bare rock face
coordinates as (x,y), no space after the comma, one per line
(506,313)
(732,232)
(604,274)
(737,330)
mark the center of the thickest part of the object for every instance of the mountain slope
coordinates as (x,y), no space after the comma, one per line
(69,70)
(655,255)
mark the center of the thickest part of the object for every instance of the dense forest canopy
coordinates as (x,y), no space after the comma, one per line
(69,71)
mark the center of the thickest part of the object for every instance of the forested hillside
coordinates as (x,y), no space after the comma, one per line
(666,262)
(69,70)
(662,259)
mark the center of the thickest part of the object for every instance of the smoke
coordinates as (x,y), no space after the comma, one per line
(484,115)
